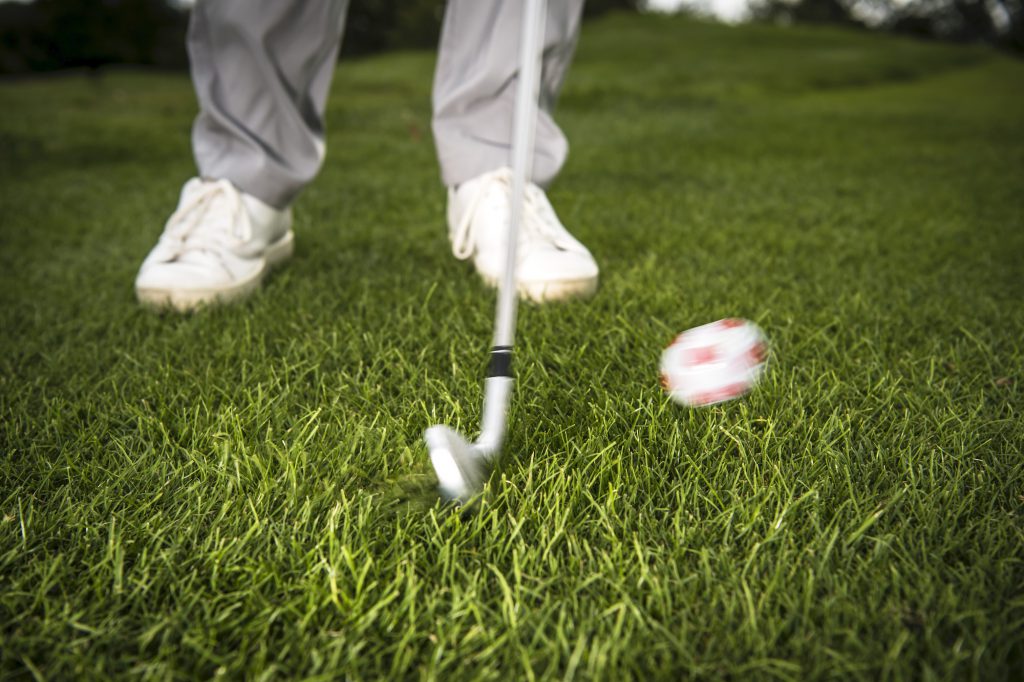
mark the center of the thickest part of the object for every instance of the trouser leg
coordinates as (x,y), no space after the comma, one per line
(261,70)
(475,84)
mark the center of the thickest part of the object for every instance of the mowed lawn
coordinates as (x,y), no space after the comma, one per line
(245,492)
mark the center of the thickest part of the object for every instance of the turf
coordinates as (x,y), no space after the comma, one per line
(244,491)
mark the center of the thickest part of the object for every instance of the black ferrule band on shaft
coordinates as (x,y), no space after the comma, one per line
(501,362)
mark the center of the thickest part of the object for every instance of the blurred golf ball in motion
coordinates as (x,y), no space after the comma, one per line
(714,362)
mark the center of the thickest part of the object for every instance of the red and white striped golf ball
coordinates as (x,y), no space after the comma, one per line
(714,362)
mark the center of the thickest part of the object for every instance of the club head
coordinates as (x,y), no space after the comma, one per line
(461,469)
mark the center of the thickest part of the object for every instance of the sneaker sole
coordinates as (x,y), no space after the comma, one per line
(550,292)
(188,300)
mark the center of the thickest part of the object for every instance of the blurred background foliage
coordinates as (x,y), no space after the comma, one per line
(45,35)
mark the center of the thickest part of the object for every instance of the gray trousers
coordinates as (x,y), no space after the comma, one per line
(262,70)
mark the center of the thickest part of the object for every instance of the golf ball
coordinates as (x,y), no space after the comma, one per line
(714,362)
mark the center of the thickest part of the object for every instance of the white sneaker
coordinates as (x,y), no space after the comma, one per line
(551,263)
(217,246)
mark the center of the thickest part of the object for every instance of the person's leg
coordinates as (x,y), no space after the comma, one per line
(474,86)
(261,71)
(474,100)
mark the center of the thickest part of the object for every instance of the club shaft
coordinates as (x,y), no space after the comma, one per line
(524,122)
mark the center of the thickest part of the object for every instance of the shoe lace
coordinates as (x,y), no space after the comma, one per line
(207,219)
(540,225)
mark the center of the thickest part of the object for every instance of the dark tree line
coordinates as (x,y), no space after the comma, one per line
(58,34)
(376,25)
(53,34)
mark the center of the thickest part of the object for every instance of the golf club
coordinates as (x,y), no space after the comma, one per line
(462,467)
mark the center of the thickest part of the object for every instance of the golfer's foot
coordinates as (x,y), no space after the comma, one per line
(552,264)
(217,246)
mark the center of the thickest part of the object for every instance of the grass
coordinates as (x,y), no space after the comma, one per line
(244,491)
